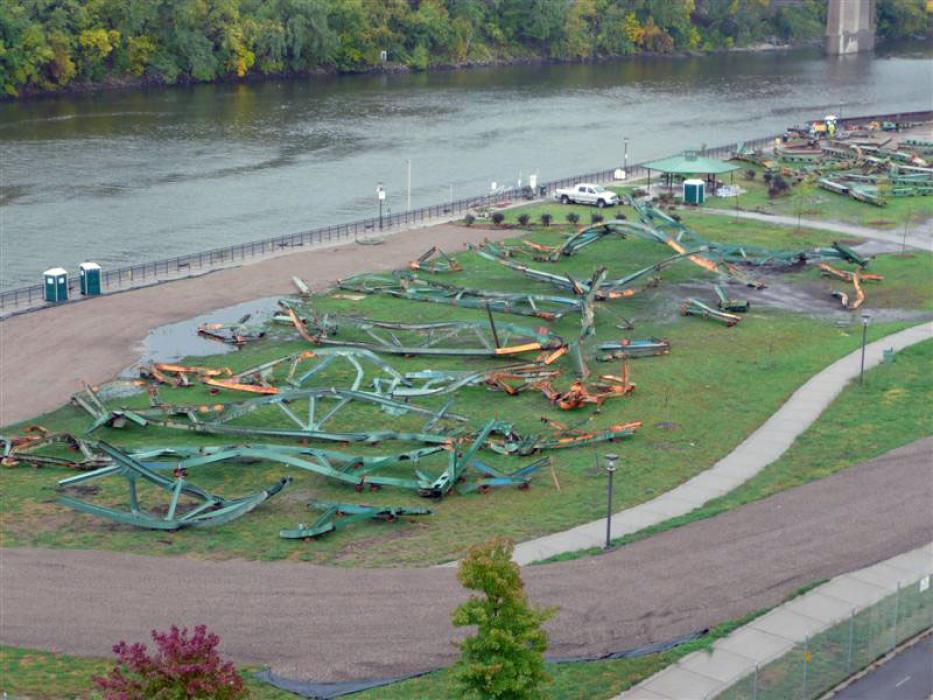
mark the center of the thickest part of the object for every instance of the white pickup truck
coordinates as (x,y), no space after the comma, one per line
(586,193)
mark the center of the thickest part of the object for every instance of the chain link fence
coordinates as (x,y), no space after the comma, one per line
(824,660)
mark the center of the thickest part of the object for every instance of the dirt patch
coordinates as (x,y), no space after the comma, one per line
(97,338)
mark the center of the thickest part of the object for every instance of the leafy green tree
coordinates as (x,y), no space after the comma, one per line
(899,19)
(504,660)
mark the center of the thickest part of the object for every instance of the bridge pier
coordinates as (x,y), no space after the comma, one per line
(850,26)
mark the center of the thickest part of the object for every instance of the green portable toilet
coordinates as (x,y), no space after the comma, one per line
(56,284)
(694,191)
(90,278)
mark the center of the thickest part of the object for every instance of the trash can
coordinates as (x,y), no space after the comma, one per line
(90,278)
(694,191)
(56,284)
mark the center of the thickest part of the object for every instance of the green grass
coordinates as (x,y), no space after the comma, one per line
(695,405)
(44,675)
(809,201)
(892,409)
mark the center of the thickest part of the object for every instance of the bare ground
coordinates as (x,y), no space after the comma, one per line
(46,354)
(324,623)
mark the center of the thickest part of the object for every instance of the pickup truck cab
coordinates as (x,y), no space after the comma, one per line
(586,193)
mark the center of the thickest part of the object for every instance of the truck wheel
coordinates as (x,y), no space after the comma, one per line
(564,199)
(600,203)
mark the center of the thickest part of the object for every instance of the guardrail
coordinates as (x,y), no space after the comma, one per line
(25,298)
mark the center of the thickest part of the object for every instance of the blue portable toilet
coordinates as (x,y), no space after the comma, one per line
(90,278)
(56,284)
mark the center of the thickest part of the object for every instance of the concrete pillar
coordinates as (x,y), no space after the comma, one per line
(850,26)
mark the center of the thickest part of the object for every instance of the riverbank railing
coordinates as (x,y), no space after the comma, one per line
(143,274)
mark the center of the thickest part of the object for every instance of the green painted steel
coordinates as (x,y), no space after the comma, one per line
(339,515)
(211,509)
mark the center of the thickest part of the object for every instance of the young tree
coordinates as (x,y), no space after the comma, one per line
(504,660)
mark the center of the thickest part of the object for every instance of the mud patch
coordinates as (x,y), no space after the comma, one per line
(174,341)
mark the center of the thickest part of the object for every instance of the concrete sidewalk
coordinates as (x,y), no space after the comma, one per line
(705,674)
(761,448)
(919,236)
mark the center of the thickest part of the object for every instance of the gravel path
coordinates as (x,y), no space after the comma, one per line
(325,623)
(45,355)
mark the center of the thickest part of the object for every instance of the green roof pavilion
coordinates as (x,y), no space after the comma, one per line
(691,163)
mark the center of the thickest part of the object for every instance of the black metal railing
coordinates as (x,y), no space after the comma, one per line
(24,298)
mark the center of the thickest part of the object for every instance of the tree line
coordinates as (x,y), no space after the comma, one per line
(46,45)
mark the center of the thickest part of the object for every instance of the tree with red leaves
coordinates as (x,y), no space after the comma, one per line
(183,667)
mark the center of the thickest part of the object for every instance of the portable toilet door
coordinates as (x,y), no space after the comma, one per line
(694,191)
(90,278)
(56,284)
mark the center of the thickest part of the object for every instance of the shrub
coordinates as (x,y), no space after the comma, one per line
(184,667)
(523,219)
(750,174)
(505,658)
(573,218)
(777,186)
(546,219)
(597,218)
(620,215)
(767,176)
(469,219)
(498,217)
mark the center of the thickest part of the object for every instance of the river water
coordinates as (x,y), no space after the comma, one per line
(131,176)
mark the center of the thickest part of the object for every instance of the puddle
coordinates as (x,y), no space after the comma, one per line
(174,341)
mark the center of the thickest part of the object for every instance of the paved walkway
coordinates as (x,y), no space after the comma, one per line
(330,623)
(919,236)
(704,674)
(759,450)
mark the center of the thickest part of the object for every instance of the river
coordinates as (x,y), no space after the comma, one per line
(131,176)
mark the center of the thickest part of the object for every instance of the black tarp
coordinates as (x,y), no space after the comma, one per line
(325,691)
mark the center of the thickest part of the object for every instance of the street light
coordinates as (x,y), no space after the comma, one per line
(866,317)
(625,162)
(381,194)
(611,460)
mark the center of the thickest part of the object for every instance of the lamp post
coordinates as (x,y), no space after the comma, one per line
(866,317)
(381,195)
(611,460)
(625,160)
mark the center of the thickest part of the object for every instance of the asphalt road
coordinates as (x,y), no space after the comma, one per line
(324,623)
(908,676)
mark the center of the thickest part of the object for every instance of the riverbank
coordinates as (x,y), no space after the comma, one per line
(129,83)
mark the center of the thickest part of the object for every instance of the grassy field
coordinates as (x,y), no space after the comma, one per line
(43,675)
(809,201)
(695,405)
(891,409)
